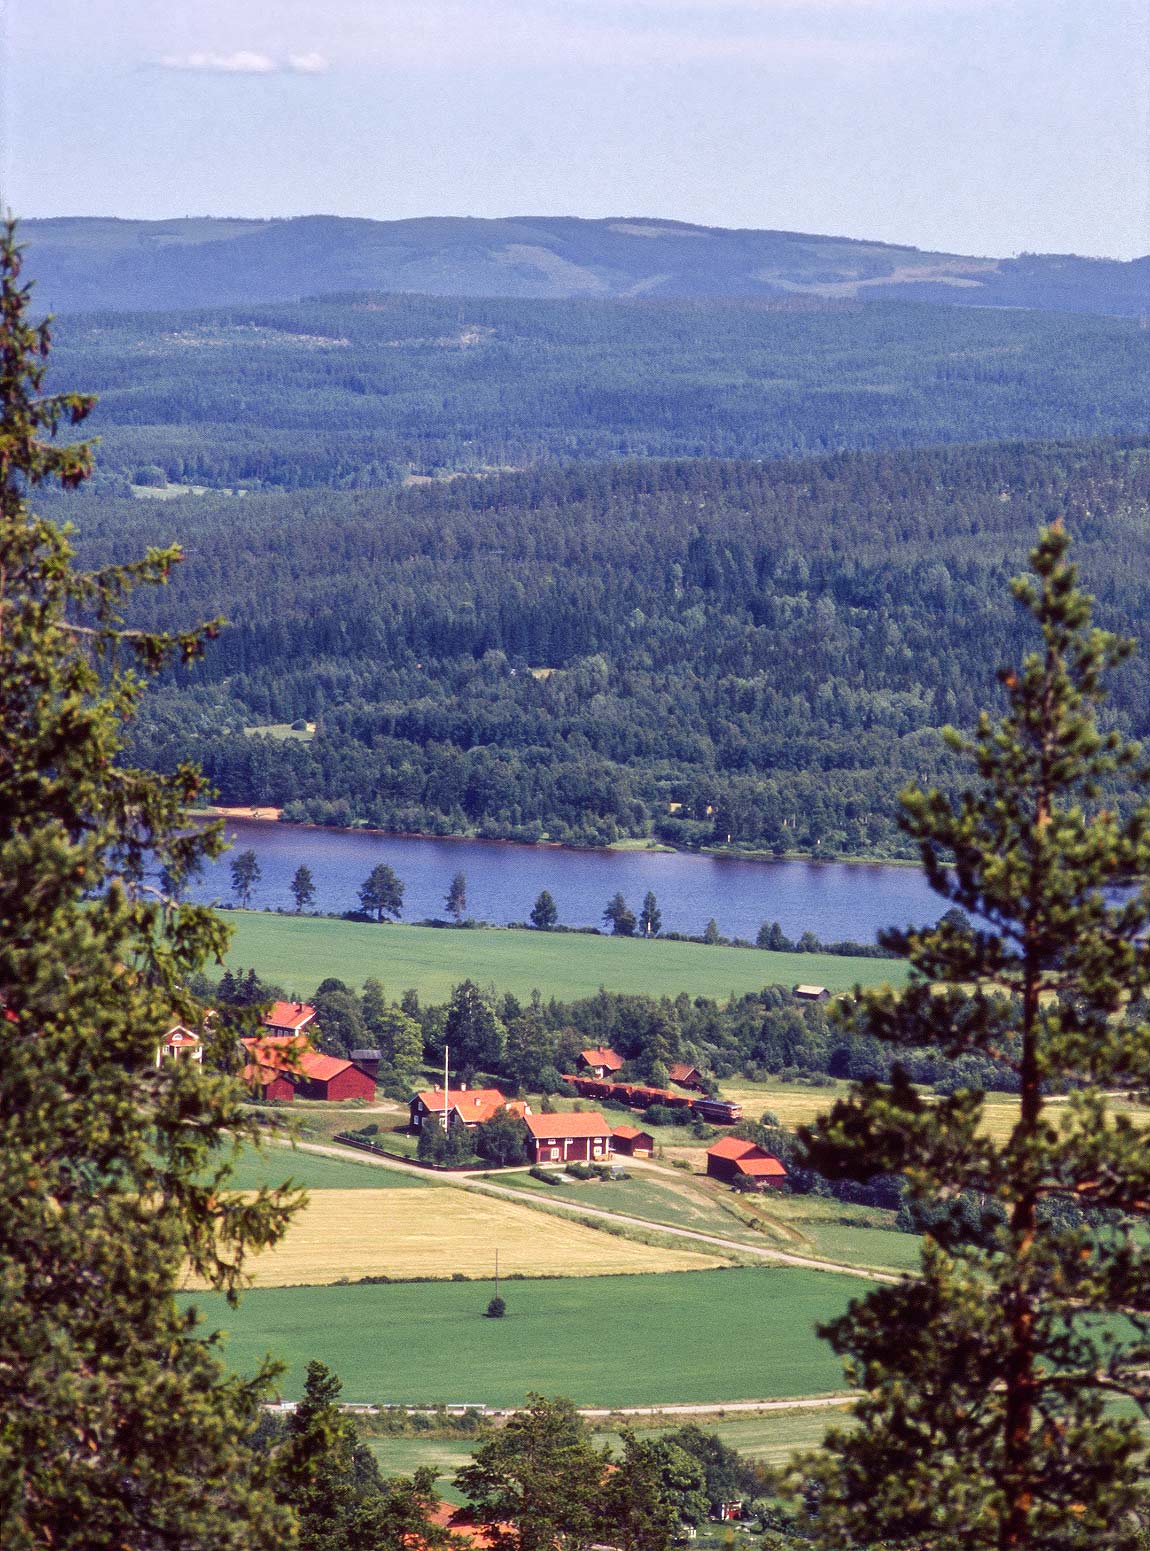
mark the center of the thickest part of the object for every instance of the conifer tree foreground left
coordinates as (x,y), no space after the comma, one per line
(118,1425)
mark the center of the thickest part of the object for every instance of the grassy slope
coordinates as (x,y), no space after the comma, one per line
(254,1169)
(631,1340)
(298,953)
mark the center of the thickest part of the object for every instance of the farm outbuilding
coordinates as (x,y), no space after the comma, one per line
(811,994)
(735,1158)
(576,1138)
(283,1068)
(687,1076)
(633,1142)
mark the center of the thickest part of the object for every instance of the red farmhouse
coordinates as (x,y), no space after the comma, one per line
(468,1107)
(601,1061)
(286,1018)
(734,1158)
(579,1138)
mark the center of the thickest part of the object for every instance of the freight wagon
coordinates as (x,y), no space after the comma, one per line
(639,1096)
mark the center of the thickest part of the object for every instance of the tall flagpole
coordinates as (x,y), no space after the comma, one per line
(446,1053)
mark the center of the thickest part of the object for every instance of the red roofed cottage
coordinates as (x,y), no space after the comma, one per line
(463,1106)
(601,1062)
(578,1138)
(735,1158)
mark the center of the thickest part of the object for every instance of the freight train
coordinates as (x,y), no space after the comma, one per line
(719,1112)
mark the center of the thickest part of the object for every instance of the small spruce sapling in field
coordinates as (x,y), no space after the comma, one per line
(496,1309)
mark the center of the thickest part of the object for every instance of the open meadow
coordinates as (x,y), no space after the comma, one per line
(412,1233)
(297,952)
(604,1341)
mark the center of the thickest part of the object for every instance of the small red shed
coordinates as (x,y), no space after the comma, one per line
(633,1142)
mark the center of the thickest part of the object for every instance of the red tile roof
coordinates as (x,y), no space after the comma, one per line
(475,1105)
(542,1126)
(321,1068)
(765,1167)
(473,1534)
(734,1147)
(603,1056)
(681,1070)
(629,1133)
(289,1015)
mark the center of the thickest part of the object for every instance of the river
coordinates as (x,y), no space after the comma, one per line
(835,900)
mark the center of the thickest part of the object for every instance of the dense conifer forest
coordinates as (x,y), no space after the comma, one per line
(355,391)
(710,652)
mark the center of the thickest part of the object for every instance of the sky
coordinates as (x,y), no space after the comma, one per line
(971,126)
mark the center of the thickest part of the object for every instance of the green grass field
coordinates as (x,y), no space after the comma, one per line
(272,1167)
(298,952)
(609,1341)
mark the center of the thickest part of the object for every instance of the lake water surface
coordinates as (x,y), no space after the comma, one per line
(832,899)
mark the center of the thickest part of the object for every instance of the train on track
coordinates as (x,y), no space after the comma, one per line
(717,1112)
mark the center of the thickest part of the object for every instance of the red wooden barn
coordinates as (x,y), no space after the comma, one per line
(578,1138)
(280,1068)
(687,1076)
(735,1158)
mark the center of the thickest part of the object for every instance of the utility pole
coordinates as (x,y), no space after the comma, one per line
(497,1273)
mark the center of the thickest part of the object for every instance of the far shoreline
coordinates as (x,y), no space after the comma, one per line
(268,814)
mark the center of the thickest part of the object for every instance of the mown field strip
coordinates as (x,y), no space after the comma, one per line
(705,1337)
(298,952)
(408,1233)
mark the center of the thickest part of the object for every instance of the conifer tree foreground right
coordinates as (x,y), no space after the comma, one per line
(986,1416)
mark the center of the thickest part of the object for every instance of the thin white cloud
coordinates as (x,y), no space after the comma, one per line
(244,62)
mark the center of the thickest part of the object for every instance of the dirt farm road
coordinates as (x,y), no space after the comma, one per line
(625,1219)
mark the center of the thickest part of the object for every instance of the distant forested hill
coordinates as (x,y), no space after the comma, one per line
(86,264)
(699,649)
(368,390)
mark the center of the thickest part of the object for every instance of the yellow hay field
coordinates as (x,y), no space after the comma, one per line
(407,1233)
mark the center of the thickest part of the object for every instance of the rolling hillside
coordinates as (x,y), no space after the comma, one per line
(108,264)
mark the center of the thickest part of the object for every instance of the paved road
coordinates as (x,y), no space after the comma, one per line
(532,1198)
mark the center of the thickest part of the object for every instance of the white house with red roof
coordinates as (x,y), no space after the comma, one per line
(576,1138)
(463,1106)
(180,1044)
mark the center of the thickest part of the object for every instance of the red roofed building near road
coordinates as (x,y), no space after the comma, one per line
(735,1158)
(633,1142)
(601,1061)
(284,1018)
(468,1107)
(281,1068)
(578,1138)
